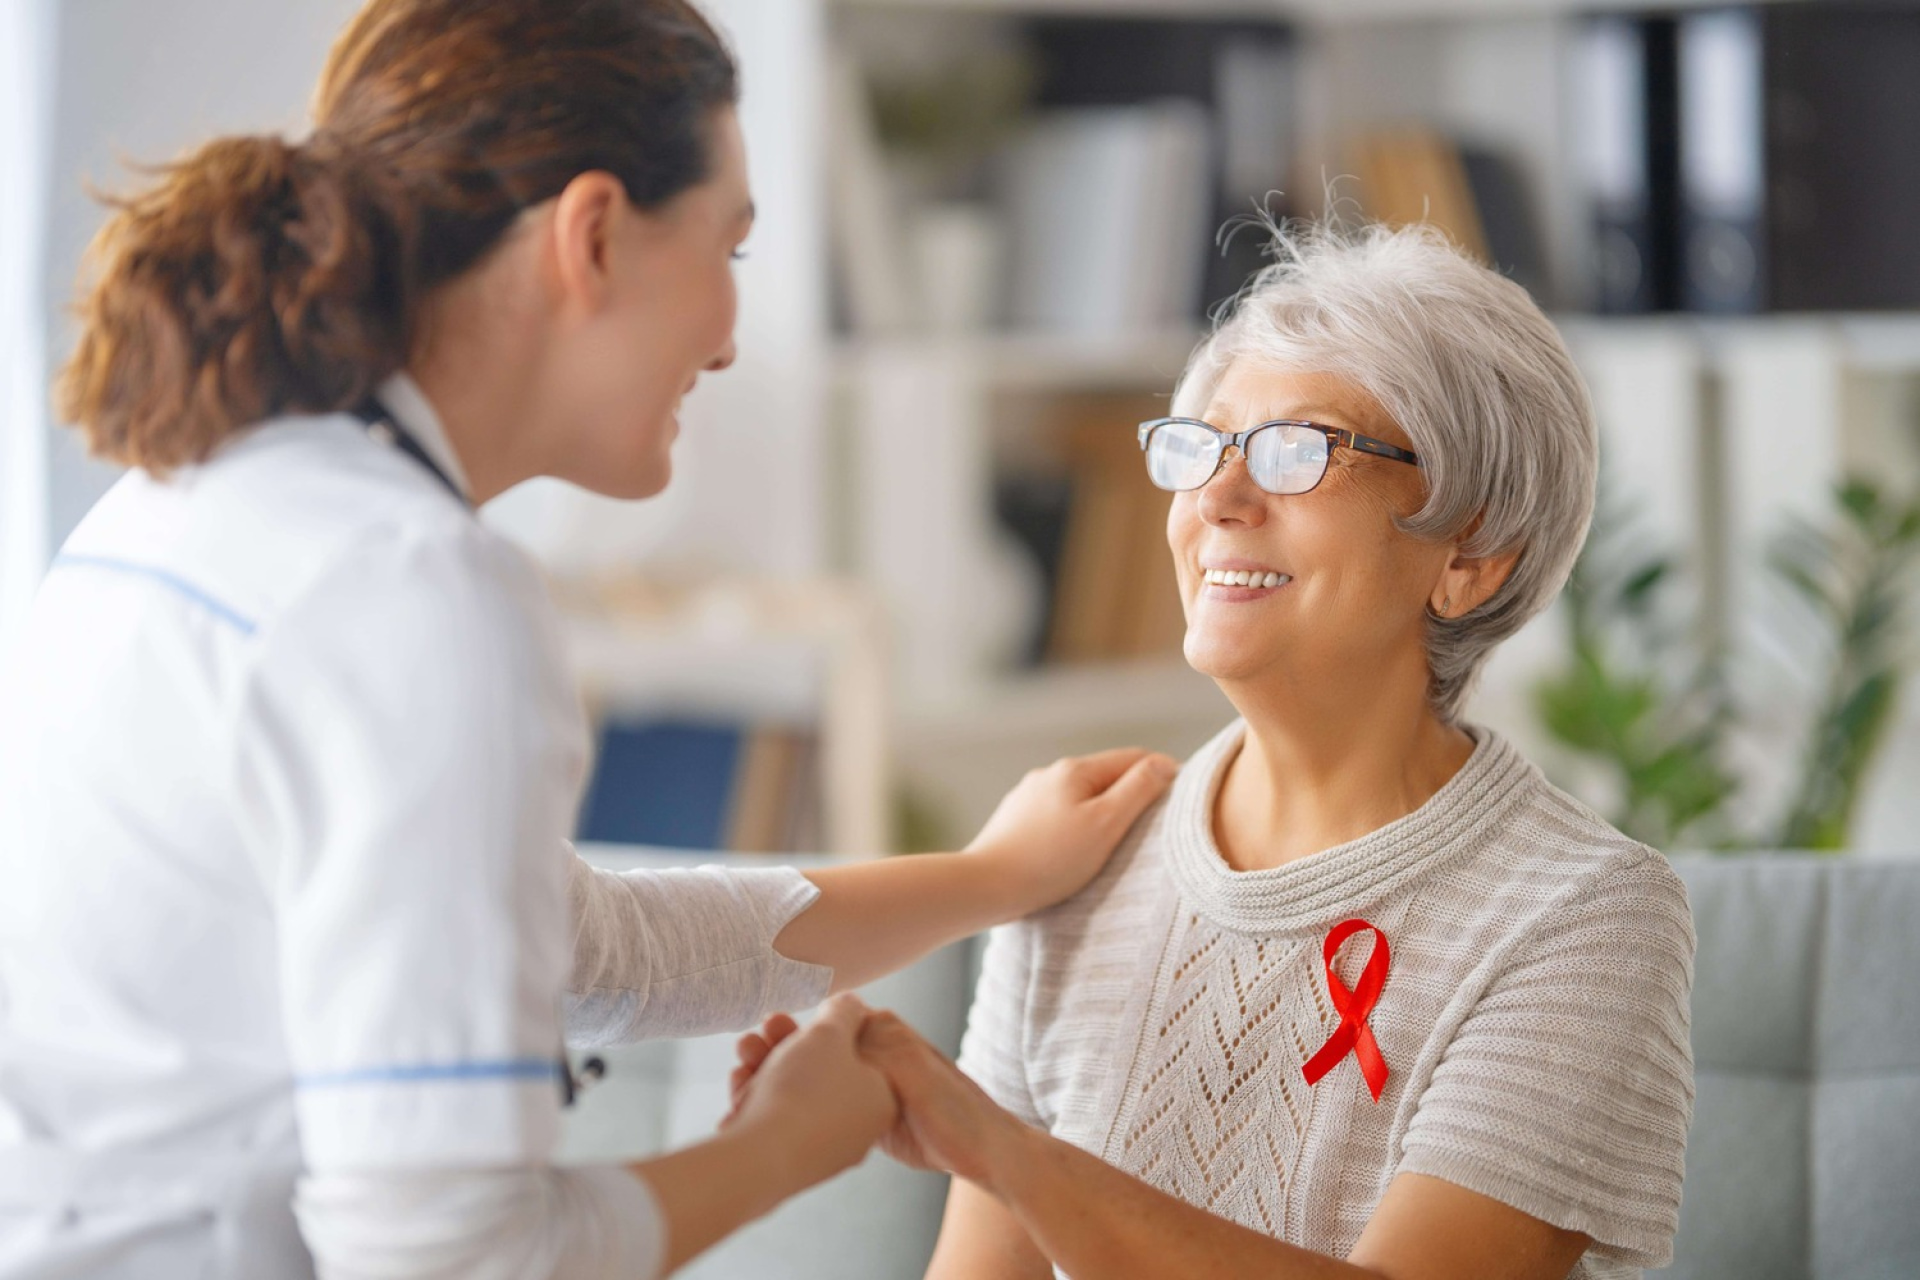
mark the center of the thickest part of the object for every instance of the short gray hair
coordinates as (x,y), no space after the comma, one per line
(1469,367)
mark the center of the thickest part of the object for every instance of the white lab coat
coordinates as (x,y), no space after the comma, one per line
(288,756)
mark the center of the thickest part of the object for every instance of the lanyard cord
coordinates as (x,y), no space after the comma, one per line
(383,427)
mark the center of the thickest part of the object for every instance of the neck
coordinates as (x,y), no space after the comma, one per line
(1326,762)
(479,425)
(477,370)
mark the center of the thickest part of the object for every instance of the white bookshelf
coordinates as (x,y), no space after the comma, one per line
(1062,701)
(1698,414)
(1039,362)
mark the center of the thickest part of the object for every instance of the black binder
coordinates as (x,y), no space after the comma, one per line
(1800,158)
(1627,114)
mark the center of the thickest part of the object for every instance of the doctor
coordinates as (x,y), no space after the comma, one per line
(289,930)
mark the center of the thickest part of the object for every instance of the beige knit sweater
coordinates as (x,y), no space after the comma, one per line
(1534,1020)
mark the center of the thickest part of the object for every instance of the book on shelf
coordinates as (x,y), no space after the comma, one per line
(1096,214)
(1626,104)
(1415,175)
(867,247)
(1097,528)
(1105,208)
(693,784)
(1750,158)
(1240,72)
(1799,173)
(1473,195)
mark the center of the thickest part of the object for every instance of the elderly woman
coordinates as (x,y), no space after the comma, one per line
(1365,995)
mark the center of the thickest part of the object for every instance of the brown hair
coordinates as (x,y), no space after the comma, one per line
(260,276)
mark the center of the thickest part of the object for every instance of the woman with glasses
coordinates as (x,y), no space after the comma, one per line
(1365,996)
(289,928)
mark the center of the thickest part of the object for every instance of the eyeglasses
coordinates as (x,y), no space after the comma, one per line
(1283,456)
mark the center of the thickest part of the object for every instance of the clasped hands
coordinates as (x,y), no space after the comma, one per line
(859,1077)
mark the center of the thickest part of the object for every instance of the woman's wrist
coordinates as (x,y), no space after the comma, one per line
(1005,1153)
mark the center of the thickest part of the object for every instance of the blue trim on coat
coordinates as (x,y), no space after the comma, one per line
(173,582)
(544,1069)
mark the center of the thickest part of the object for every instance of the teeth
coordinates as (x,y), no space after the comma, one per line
(1245,578)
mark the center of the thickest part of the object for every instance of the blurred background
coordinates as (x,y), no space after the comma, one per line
(910,550)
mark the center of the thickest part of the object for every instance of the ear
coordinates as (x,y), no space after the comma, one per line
(584,216)
(1470,581)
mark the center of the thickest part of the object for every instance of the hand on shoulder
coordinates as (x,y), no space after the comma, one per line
(1057,828)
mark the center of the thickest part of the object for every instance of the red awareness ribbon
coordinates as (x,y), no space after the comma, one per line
(1353,1035)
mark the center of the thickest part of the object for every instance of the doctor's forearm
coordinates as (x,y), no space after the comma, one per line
(708,1191)
(875,917)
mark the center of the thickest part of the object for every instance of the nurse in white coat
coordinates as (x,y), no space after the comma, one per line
(289,930)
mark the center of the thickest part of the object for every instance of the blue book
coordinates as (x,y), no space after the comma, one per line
(663,782)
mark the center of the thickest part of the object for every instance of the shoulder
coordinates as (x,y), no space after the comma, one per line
(1135,872)
(291,506)
(1558,849)
(1579,892)
(1606,864)
(424,629)
(1137,882)
(1540,880)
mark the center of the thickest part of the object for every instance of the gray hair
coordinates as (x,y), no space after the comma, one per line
(1475,374)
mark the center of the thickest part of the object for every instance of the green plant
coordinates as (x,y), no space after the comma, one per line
(1641,696)
(957,112)
(1852,576)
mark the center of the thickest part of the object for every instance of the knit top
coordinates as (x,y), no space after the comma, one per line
(1534,1018)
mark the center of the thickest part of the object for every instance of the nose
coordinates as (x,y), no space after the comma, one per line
(1231,496)
(724,357)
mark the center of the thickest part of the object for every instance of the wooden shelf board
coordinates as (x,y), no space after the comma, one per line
(1011,361)
(1880,342)
(1185,9)
(1309,11)
(1082,697)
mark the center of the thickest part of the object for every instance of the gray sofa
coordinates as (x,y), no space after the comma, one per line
(1804,1161)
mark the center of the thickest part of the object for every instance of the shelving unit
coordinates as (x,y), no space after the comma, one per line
(1037,362)
(873,458)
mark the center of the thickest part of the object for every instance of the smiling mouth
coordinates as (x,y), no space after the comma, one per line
(1246,579)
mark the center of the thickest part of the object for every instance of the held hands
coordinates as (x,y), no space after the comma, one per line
(942,1121)
(947,1122)
(814,1099)
(1053,832)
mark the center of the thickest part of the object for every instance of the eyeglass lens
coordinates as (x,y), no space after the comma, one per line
(1281,459)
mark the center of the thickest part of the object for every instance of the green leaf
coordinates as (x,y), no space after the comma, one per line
(1860,499)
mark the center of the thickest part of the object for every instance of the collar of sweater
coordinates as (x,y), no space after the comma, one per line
(1311,894)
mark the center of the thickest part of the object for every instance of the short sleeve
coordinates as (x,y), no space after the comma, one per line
(409,758)
(1568,1090)
(992,1051)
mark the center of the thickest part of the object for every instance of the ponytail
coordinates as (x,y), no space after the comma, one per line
(255,279)
(260,277)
